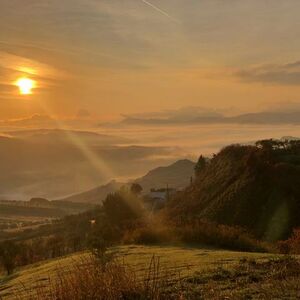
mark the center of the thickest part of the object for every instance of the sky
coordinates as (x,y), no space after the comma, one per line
(109,58)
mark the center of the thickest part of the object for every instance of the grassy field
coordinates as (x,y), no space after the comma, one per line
(187,262)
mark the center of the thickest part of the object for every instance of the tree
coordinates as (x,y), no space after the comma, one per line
(136,189)
(39,202)
(122,207)
(268,145)
(8,255)
(99,248)
(56,245)
(200,165)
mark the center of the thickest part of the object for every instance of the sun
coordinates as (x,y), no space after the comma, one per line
(25,85)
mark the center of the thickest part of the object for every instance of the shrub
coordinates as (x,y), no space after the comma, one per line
(9,252)
(195,232)
(150,234)
(291,245)
(223,236)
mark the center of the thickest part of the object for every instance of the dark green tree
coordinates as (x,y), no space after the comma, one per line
(136,189)
(268,145)
(122,207)
(200,165)
(9,252)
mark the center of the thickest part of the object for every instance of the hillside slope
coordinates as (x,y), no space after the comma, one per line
(96,195)
(185,260)
(176,175)
(248,186)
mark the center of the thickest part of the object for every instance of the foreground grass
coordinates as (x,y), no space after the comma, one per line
(203,273)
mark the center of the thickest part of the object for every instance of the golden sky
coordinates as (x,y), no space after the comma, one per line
(113,57)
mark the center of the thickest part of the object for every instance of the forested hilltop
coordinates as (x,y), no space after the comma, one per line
(255,187)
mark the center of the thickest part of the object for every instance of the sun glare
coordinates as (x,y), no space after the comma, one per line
(25,85)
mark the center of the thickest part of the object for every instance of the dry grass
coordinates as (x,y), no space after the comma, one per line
(183,259)
(90,279)
(274,278)
(175,273)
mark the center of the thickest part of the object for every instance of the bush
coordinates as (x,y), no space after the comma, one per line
(9,252)
(195,232)
(150,234)
(291,245)
(223,236)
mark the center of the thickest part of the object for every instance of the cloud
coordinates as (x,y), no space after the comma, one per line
(184,115)
(28,66)
(83,113)
(106,33)
(289,114)
(285,74)
(289,106)
(34,120)
(39,121)
(266,117)
(14,66)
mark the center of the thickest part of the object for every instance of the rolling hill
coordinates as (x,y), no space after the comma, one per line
(96,195)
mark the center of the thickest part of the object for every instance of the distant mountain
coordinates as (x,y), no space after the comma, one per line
(176,175)
(66,136)
(96,195)
(53,163)
(264,117)
(253,187)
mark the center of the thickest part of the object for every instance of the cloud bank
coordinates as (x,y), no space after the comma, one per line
(285,74)
(197,115)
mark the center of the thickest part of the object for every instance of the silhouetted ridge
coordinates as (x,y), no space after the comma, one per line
(176,175)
